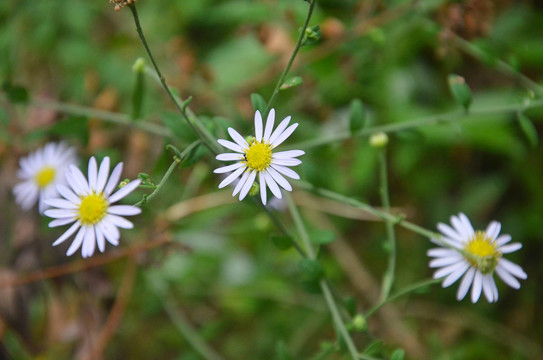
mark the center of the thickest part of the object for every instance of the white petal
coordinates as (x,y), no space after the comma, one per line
(103,172)
(288,154)
(477,287)
(510,248)
(238,138)
(67,233)
(100,240)
(493,230)
(487,288)
(503,239)
(78,176)
(269,125)
(465,284)
(61,204)
(459,227)
(125,190)
(445,261)
(494,289)
(279,179)
(507,278)
(287,162)
(125,210)
(230,145)
(245,189)
(228,168)
(258,126)
(241,182)
(61,222)
(279,130)
(114,179)
(263,194)
(60,213)
(449,232)
(230,178)
(229,157)
(286,171)
(93,173)
(449,269)
(513,268)
(118,221)
(76,244)
(284,135)
(441,252)
(272,185)
(89,242)
(68,194)
(467,224)
(111,233)
(455,275)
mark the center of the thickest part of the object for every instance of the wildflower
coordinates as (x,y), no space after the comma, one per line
(257,157)
(121,3)
(87,204)
(41,171)
(476,255)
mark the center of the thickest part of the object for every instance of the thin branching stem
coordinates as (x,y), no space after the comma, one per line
(199,131)
(388,279)
(325,288)
(299,44)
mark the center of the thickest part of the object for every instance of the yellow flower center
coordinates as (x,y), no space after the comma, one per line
(92,209)
(484,252)
(259,156)
(45,176)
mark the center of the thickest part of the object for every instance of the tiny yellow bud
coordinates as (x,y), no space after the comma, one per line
(379,140)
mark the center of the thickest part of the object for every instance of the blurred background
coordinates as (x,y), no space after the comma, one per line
(199,266)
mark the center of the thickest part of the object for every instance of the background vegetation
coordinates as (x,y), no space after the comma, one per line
(199,266)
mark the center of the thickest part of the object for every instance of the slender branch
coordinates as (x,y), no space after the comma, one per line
(115,118)
(299,44)
(402,292)
(203,136)
(330,302)
(411,124)
(388,279)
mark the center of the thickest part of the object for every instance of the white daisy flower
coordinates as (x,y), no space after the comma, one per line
(476,255)
(259,158)
(40,172)
(87,204)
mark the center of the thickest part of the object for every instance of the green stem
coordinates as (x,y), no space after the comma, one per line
(178,159)
(388,279)
(202,135)
(325,289)
(401,293)
(412,124)
(115,118)
(398,220)
(292,57)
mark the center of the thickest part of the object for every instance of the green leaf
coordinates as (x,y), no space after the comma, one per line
(376,349)
(194,156)
(322,237)
(282,242)
(350,304)
(528,129)
(258,103)
(460,90)
(357,118)
(137,95)
(312,269)
(398,354)
(292,82)
(16,94)
(178,126)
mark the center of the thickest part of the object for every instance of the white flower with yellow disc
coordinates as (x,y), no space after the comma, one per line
(258,157)
(40,172)
(475,255)
(87,204)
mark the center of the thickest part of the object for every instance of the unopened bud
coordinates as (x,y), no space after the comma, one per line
(379,140)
